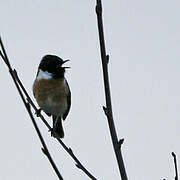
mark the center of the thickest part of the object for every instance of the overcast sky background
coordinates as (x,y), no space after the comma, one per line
(143,40)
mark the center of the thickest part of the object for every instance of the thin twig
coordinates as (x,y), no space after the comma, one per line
(18,82)
(108,108)
(6,60)
(4,55)
(30,101)
(68,150)
(44,149)
(175,166)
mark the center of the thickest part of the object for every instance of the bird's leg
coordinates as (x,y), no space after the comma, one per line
(38,112)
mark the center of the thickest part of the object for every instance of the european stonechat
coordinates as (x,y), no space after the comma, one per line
(52,92)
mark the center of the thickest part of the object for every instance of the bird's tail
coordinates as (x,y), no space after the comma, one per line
(57,126)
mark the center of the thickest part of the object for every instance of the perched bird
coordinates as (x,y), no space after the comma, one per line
(52,92)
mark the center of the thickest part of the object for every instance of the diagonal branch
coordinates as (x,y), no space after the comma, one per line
(30,100)
(108,109)
(68,150)
(45,150)
(175,166)
(19,85)
(4,55)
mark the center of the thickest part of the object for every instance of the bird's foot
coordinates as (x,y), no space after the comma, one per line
(38,112)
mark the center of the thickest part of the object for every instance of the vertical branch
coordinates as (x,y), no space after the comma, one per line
(108,108)
(175,166)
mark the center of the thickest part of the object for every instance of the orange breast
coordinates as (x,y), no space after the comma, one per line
(51,95)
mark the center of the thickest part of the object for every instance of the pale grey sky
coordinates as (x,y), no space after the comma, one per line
(143,40)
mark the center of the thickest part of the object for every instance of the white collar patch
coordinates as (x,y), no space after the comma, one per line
(43,75)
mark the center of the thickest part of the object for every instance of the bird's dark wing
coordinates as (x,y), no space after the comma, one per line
(68,102)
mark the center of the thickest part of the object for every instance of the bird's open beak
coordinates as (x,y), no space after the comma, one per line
(65,62)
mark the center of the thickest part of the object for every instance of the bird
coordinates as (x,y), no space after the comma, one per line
(52,92)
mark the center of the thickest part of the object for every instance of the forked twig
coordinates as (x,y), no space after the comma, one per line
(108,109)
(19,85)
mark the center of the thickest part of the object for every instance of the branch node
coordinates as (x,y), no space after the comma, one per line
(28,106)
(78,166)
(107,59)
(70,150)
(173,154)
(121,141)
(12,72)
(99,8)
(105,110)
(38,112)
(44,151)
(15,72)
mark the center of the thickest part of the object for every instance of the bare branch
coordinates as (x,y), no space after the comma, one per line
(175,166)
(44,149)
(4,55)
(30,101)
(121,141)
(5,58)
(68,150)
(19,85)
(78,163)
(108,109)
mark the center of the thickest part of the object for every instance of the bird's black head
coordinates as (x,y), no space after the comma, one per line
(53,64)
